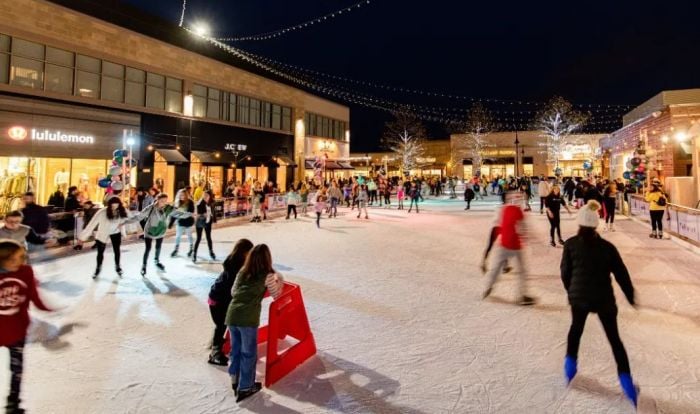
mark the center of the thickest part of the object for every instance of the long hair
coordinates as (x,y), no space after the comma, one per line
(555,186)
(121,211)
(236,259)
(258,262)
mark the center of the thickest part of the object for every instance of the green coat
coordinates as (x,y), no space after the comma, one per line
(246,302)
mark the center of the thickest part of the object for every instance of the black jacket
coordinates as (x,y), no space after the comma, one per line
(220,291)
(72,203)
(202,210)
(36,217)
(585,271)
(189,221)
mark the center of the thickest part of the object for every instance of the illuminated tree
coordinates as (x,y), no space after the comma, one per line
(405,136)
(557,122)
(473,135)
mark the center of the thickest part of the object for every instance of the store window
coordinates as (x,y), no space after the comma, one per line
(112,82)
(85,174)
(213,104)
(199,95)
(15,179)
(286,119)
(211,177)
(173,95)
(163,175)
(135,87)
(243,110)
(59,70)
(232,107)
(266,115)
(155,91)
(276,116)
(88,77)
(27,64)
(254,112)
(4,58)
(256,174)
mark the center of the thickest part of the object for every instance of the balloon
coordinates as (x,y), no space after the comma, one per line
(115,170)
(119,153)
(636,161)
(119,160)
(117,185)
(641,177)
(131,163)
(104,183)
(626,175)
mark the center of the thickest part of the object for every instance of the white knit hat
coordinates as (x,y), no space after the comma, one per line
(588,215)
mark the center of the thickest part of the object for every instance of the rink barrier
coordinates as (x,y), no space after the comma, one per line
(286,317)
(682,222)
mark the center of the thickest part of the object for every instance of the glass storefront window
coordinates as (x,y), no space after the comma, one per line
(14,180)
(59,79)
(87,84)
(4,67)
(85,174)
(28,49)
(164,175)
(256,174)
(286,119)
(27,72)
(112,89)
(135,93)
(53,174)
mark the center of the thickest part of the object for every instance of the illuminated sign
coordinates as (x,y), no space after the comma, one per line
(17,133)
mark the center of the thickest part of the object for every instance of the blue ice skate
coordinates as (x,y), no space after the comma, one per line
(570,368)
(629,388)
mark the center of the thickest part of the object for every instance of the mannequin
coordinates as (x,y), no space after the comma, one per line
(61,179)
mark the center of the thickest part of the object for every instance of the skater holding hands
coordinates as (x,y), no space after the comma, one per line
(108,222)
(586,265)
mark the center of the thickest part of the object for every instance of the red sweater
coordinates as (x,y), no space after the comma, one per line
(17,289)
(510,217)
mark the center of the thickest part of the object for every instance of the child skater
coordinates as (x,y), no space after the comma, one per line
(17,288)
(107,220)
(220,297)
(400,195)
(320,205)
(243,317)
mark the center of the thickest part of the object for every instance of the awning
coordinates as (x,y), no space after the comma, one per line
(206,157)
(345,165)
(332,165)
(171,155)
(309,165)
(259,160)
(287,161)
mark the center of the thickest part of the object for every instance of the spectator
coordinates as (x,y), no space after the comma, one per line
(13,229)
(57,199)
(35,216)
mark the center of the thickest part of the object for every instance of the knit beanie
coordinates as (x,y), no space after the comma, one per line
(588,215)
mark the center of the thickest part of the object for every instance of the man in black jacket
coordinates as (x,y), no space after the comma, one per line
(35,216)
(586,264)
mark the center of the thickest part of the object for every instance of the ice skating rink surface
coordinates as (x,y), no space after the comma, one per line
(395,305)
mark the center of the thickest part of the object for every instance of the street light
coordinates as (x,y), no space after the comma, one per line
(517,143)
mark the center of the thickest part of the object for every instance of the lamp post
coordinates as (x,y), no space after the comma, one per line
(517,143)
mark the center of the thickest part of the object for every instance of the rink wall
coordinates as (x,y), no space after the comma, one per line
(682,222)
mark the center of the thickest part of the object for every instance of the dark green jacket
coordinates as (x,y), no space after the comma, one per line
(247,296)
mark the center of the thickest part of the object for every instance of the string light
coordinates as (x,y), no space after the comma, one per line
(281,32)
(182,15)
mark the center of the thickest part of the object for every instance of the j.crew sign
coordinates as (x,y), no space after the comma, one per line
(18,133)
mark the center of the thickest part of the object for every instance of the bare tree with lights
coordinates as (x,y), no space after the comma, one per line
(557,122)
(405,136)
(473,135)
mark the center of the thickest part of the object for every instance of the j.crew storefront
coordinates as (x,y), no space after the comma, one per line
(47,147)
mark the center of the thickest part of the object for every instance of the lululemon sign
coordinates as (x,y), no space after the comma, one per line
(18,133)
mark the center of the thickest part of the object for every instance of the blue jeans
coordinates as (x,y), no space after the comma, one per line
(244,355)
(179,231)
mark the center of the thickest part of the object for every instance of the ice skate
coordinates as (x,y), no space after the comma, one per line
(526,301)
(243,394)
(629,388)
(507,268)
(570,368)
(119,271)
(561,241)
(551,243)
(486,293)
(97,272)
(660,235)
(160,266)
(234,384)
(189,253)
(212,255)
(217,358)
(174,253)
(652,235)
(143,270)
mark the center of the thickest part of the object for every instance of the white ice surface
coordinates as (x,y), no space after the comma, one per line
(394,304)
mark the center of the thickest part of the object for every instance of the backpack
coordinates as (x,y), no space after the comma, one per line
(661,202)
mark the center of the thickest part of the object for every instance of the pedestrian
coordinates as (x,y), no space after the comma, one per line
(477,190)
(256,201)
(609,202)
(543,189)
(206,217)
(657,206)
(72,204)
(320,205)
(586,264)
(414,195)
(243,317)
(156,217)
(468,195)
(35,216)
(493,236)
(362,200)
(184,224)
(400,194)
(511,246)
(553,203)
(220,298)
(387,193)
(292,197)
(18,287)
(334,194)
(304,194)
(108,222)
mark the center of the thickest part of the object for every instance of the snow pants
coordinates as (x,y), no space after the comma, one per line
(608,318)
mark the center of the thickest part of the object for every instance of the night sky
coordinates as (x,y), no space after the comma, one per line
(614,52)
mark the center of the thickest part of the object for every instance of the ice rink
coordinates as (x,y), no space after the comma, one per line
(395,306)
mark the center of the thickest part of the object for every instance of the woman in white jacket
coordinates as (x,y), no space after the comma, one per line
(108,221)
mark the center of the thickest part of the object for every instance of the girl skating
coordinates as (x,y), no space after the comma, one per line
(108,221)
(184,224)
(553,203)
(206,217)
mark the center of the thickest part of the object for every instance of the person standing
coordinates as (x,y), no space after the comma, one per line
(35,216)
(243,317)
(362,198)
(372,191)
(657,206)
(414,195)
(72,204)
(292,198)
(206,217)
(184,225)
(400,194)
(586,265)
(320,205)
(511,246)
(553,203)
(335,195)
(468,195)
(387,193)
(609,201)
(18,287)
(220,298)
(108,222)
(543,189)
(256,201)
(304,194)
(13,229)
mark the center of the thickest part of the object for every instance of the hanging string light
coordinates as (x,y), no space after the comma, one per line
(182,15)
(281,32)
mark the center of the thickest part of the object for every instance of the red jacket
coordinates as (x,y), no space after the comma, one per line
(511,215)
(17,289)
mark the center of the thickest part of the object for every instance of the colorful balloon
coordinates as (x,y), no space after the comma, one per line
(635,161)
(117,185)
(626,175)
(104,183)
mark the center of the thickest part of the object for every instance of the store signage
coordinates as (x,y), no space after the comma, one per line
(18,133)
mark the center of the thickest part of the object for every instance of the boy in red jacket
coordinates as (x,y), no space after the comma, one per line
(17,288)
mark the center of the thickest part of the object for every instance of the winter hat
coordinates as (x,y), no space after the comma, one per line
(588,215)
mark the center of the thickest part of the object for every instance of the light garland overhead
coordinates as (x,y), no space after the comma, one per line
(182,15)
(280,32)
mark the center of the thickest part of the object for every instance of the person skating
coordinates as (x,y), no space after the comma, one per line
(400,194)
(543,190)
(304,194)
(387,193)
(18,287)
(362,197)
(553,203)
(108,222)
(220,298)
(320,205)
(206,217)
(493,236)
(292,199)
(184,225)
(414,195)
(14,229)
(657,206)
(468,195)
(156,219)
(511,245)
(586,265)
(256,202)
(609,201)
(334,194)
(243,317)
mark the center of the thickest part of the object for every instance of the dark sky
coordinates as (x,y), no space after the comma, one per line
(612,52)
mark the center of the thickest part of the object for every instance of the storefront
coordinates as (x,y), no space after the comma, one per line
(330,169)
(499,167)
(48,147)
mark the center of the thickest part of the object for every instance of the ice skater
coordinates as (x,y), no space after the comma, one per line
(362,197)
(468,196)
(220,298)
(206,217)
(320,205)
(18,287)
(493,236)
(511,246)
(553,203)
(184,225)
(400,195)
(108,222)
(586,264)
(414,195)
(243,317)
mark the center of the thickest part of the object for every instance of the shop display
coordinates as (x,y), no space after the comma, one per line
(14,181)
